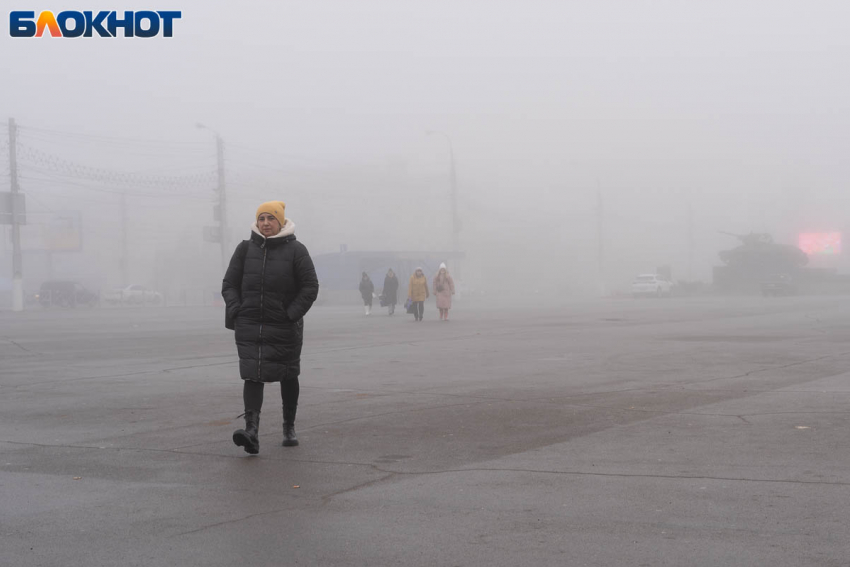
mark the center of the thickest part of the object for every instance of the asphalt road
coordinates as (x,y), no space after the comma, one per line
(699,432)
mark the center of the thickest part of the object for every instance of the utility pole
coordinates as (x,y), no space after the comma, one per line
(17,265)
(123,239)
(455,219)
(690,241)
(222,201)
(600,238)
(456,225)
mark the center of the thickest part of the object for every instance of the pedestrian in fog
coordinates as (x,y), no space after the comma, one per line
(417,291)
(390,291)
(444,289)
(367,289)
(269,286)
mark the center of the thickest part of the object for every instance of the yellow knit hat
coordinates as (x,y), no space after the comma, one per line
(274,208)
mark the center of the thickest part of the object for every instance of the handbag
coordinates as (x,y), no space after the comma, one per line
(408,305)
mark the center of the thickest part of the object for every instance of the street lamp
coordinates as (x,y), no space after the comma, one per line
(455,220)
(222,202)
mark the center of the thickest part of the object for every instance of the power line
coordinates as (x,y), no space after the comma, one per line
(64,182)
(165,153)
(195,169)
(74,198)
(143,152)
(110,139)
(55,163)
(40,202)
(239,147)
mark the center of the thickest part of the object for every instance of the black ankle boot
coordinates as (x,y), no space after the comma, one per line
(289,438)
(249,437)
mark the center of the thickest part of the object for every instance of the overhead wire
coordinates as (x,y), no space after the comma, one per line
(75,198)
(54,181)
(55,163)
(65,175)
(229,146)
(110,139)
(64,182)
(39,201)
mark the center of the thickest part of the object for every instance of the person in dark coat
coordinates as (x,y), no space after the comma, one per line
(389,293)
(269,286)
(367,289)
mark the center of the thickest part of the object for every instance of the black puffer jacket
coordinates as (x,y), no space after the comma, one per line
(390,291)
(367,288)
(268,288)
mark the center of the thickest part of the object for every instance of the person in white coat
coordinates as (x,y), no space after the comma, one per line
(444,289)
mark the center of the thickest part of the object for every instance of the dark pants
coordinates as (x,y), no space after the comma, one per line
(418,309)
(252,393)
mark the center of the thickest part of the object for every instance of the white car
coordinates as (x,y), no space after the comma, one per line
(651,284)
(138,294)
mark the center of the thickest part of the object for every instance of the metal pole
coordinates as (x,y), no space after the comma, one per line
(455,220)
(690,242)
(222,202)
(17,264)
(124,281)
(600,217)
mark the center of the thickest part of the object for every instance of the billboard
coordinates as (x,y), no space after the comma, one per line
(820,243)
(52,232)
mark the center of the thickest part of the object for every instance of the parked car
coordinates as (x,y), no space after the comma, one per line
(57,293)
(778,284)
(651,284)
(133,294)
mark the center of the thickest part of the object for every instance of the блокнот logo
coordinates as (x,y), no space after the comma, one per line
(145,23)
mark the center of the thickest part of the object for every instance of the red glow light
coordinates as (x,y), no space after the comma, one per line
(820,243)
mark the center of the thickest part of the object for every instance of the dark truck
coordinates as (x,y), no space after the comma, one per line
(778,284)
(56,293)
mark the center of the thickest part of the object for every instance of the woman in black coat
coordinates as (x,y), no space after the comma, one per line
(389,293)
(367,289)
(269,286)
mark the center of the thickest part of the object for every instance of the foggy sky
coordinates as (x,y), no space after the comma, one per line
(738,111)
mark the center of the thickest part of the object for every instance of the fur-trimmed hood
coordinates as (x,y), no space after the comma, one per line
(288,229)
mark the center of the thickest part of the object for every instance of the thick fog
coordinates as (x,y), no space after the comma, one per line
(592,141)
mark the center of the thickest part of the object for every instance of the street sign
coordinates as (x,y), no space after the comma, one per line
(6,208)
(212,234)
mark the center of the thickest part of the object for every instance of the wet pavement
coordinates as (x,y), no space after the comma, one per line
(684,431)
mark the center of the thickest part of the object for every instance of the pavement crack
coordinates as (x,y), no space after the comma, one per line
(173,451)
(48,446)
(125,375)
(23,348)
(405,411)
(390,473)
(327,498)
(795,413)
(382,345)
(764,369)
(625,475)
(224,523)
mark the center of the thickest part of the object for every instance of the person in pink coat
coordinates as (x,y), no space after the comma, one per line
(444,289)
